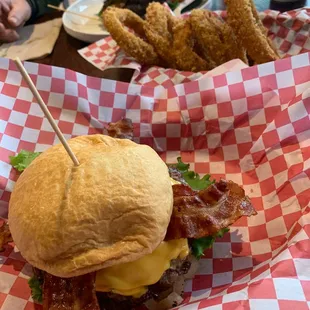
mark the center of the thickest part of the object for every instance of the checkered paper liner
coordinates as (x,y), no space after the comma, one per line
(251,126)
(289,31)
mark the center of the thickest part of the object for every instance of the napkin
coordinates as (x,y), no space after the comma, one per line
(36,41)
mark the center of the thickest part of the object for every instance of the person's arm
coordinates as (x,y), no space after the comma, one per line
(39,7)
(15,13)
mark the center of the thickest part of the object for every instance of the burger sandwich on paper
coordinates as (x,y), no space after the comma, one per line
(120,230)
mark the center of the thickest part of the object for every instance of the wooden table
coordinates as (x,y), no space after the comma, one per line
(65,55)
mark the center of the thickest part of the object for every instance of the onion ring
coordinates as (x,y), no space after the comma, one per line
(215,38)
(244,20)
(158,30)
(115,20)
(183,45)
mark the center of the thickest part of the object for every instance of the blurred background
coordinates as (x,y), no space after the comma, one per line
(219,4)
(281,5)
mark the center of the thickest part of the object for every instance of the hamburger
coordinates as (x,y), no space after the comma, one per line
(120,230)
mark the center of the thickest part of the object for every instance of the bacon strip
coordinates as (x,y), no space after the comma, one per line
(122,129)
(198,214)
(77,293)
(5,235)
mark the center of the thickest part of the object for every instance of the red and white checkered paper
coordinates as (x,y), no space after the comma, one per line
(251,126)
(289,31)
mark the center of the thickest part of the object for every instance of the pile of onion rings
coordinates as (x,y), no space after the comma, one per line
(199,43)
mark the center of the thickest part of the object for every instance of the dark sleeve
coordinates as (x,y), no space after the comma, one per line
(39,7)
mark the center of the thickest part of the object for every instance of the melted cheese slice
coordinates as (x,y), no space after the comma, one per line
(132,279)
(173,182)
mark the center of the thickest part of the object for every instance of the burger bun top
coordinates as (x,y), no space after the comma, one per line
(113,208)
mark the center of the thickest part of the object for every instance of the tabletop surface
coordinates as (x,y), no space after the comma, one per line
(65,53)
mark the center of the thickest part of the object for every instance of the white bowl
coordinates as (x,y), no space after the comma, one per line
(84,29)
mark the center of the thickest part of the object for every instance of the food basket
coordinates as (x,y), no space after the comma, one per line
(250,126)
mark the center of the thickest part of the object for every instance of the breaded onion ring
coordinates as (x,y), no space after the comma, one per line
(158,30)
(215,39)
(115,20)
(244,20)
(160,19)
(186,58)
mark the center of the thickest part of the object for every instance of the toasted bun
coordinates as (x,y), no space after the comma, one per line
(113,208)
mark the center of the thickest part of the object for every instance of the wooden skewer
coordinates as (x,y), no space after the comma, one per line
(74,13)
(45,110)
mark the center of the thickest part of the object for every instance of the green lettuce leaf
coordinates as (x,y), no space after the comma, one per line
(200,245)
(23,159)
(193,179)
(36,289)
